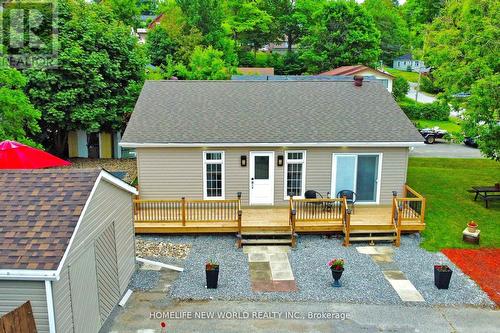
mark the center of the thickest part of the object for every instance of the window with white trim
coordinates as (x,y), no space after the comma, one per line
(295,173)
(213,175)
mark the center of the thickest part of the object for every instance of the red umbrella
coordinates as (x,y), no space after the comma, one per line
(15,155)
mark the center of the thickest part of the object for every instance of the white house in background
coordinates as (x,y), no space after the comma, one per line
(385,78)
(406,62)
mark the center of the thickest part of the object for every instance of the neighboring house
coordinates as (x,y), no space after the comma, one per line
(256,70)
(279,46)
(141,34)
(385,78)
(407,63)
(96,145)
(157,20)
(67,245)
(269,139)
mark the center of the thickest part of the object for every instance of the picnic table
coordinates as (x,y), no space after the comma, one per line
(487,193)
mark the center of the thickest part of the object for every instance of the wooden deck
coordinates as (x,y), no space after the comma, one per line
(406,214)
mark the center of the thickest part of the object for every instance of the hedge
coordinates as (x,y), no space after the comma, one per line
(430,111)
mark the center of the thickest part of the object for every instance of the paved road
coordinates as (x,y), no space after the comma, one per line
(305,317)
(422,97)
(444,149)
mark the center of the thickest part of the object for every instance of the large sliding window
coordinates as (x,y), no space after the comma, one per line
(213,175)
(359,173)
(295,173)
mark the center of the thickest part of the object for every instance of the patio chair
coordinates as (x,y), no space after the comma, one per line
(350,196)
(312,194)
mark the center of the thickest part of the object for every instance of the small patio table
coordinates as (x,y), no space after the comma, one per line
(487,193)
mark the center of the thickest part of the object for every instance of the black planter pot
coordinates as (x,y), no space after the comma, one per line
(336,277)
(442,279)
(212,278)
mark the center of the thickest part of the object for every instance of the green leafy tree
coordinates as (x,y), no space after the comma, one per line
(249,24)
(400,88)
(419,13)
(127,11)
(98,77)
(19,118)
(394,34)
(206,64)
(342,34)
(207,16)
(463,48)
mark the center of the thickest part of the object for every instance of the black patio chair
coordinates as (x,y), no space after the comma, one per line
(312,194)
(350,196)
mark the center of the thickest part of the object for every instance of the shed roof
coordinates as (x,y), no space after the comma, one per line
(352,70)
(253,112)
(39,211)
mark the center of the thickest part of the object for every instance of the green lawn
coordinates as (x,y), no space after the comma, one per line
(451,126)
(444,182)
(409,76)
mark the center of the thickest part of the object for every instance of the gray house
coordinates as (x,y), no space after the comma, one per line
(269,139)
(66,245)
(406,62)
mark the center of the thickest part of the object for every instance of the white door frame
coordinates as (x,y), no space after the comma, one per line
(378,180)
(271,174)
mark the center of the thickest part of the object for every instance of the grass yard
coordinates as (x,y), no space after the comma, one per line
(409,76)
(451,125)
(444,182)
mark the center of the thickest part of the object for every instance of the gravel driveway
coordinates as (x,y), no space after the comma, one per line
(444,149)
(363,280)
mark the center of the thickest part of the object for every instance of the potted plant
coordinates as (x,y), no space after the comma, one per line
(472,227)
(442,276)
(212,273)
(337,267)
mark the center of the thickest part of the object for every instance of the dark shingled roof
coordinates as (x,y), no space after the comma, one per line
(267,112)
(39,210)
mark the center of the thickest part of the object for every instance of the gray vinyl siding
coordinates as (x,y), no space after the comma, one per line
(171,173)
(15,293)
(110,207)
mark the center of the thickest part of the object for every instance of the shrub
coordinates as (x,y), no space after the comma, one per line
(427,85)
(400,88)
(432,111)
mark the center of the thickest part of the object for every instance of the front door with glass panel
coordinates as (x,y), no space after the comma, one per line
(358,173)
(261,178)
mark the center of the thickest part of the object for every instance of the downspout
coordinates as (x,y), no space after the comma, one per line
(50,306)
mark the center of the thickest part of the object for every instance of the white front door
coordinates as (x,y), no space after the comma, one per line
(261,178)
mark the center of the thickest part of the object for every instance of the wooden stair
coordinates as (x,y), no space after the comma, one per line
(266,237)
(372,232)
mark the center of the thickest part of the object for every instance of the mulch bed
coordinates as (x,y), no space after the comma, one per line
(482,265)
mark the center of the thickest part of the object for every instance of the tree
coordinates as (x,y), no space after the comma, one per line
(249,24)
(207,16)
(417,14)
(19,117)
(342,34)
(127,11)
(394,34)
(205,64)
(462,46)
(98,78)
(400,88)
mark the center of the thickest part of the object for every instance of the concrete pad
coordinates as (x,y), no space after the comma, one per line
(278,257)
(406,290)
(260,275)
(150,267)
(384,249)
(280,266)
(382,258)
(259,266)
(254,249)
(258,257)
(394,275)
(278,249)
(388,266)
(282,275)
(367,250)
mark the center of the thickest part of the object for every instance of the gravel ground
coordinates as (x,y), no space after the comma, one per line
(147,248)
(362,281)
(144,280)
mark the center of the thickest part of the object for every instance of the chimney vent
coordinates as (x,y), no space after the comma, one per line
(358,80)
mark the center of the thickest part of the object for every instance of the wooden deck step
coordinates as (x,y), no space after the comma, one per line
(373,231)
(265,241)
(372,238)
(266,233)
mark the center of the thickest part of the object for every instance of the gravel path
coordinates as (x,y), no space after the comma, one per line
(362,281)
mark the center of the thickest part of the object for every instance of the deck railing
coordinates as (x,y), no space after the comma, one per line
(187,211)
(317,210)
(408,209)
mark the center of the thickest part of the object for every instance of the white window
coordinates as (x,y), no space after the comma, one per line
(213,175)
(295,173)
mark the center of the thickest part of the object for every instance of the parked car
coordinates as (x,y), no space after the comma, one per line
(431,134)
(471,141)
